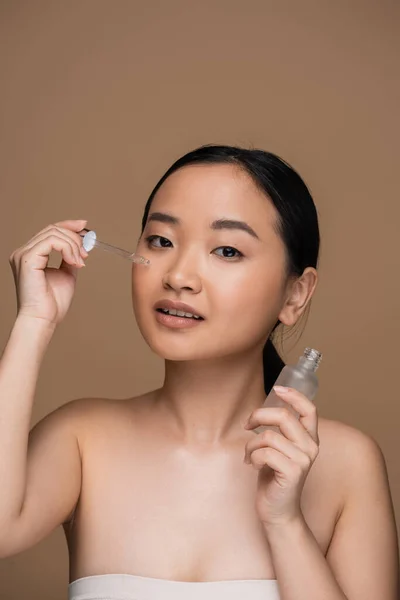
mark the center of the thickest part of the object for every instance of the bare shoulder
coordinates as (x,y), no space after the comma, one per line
(347,442)
(84,410)
(363,552)
(91,414)
(351,455)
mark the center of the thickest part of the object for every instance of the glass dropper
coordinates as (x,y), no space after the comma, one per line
(90,241)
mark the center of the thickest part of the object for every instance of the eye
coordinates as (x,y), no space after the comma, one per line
(229,252)
(162,242)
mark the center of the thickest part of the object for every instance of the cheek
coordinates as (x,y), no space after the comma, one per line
(141,282)
(250,303)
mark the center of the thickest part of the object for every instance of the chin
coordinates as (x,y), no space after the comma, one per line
(185,349)
(180,350)
(170,344)
(196,344)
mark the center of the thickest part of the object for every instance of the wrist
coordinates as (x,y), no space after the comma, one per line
(35,323)
(36,328)
(292,526)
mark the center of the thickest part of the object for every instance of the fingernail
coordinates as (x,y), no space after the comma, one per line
(280,389)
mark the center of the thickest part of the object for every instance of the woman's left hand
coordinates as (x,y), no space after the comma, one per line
(283,459)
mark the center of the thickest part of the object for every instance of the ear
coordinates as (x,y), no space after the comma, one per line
(298,295)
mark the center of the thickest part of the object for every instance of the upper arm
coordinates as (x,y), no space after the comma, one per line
(363,553)
(53,479)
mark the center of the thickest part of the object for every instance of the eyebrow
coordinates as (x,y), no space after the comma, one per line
(217,225)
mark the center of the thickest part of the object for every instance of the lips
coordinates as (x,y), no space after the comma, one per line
(178,306)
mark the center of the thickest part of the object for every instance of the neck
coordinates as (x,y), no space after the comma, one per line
(209,401)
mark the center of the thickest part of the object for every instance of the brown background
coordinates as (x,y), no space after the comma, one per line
(99,98)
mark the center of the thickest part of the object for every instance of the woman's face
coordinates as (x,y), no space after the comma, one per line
(212,243)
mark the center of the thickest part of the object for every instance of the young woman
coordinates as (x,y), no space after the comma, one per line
(172,495)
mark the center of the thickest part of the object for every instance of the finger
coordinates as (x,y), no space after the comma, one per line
(24,254)
(75,229)
(272,439)
(71,269)
(77,239)
(306,409)
(69,228)
(37,257)
(269,457)
(61,234)
(288,424)
(73,225)
(72,235)
(299,401)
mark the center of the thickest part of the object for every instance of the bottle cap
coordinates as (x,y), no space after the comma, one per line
(313,355)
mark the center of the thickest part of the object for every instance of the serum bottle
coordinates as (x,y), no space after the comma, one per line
(300,377)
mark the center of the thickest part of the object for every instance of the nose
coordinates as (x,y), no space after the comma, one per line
(183,275)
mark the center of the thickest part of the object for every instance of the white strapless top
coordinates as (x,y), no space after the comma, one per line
(135,587)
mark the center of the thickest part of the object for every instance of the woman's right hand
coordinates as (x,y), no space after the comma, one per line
(45,292)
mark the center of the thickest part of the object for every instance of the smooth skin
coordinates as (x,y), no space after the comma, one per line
(156,485)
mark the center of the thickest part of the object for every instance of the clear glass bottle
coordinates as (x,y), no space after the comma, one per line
(301,377)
